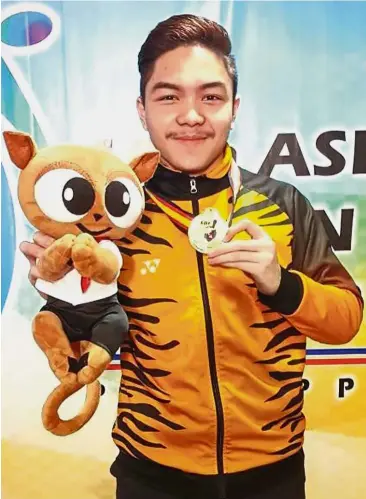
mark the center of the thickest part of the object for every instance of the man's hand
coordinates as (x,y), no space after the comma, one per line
(257,256)
(33,251)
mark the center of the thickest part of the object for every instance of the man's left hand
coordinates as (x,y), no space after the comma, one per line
(256,257)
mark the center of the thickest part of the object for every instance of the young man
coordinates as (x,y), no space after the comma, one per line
(210,403)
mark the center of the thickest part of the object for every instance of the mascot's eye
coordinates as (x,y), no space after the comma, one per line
(64,195)
(124,202)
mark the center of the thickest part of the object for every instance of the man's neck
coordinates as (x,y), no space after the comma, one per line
(197,173)
(173,184)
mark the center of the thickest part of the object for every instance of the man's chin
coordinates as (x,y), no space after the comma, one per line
(192,169)
(193,164)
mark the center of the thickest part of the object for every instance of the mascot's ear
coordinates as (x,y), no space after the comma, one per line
(21,148)
(145,165)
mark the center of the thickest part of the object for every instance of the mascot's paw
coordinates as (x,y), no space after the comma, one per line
(98,361)
(55,260)
(84,254)
(86,240)
(60,364)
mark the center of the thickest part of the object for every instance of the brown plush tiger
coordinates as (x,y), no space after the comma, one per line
(87,199)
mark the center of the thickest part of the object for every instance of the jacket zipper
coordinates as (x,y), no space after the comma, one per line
(212,360)
(193,185)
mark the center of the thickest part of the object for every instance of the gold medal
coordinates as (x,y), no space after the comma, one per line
(207,230)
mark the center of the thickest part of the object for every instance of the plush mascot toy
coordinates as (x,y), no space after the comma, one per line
(87,199)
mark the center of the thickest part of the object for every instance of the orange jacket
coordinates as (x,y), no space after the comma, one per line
(212,371)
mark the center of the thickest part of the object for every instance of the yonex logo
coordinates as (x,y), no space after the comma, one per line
(150,266)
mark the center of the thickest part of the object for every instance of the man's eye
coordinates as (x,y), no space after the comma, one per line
(168,97)
(212,97)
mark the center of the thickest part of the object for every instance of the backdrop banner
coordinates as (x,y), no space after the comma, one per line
(69,74)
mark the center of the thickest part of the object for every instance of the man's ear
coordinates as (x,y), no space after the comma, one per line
(236,107)
(21,148)
(145,165)
(141,112)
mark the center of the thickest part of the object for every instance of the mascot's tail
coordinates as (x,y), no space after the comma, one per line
(52,421)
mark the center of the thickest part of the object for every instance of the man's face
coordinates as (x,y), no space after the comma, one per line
(189,108)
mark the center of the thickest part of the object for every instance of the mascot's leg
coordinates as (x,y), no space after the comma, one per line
(50,337)
(107,336)
(98,360)
(63,358)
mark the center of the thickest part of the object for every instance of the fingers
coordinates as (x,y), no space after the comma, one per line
(33,275)
(34,250)
(43,240)
(249,268)
(248,226)
(238,257)
(250,245)
(31,251)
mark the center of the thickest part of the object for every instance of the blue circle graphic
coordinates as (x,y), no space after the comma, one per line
(25,28)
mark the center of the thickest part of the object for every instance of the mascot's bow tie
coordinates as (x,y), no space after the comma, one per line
(85,283)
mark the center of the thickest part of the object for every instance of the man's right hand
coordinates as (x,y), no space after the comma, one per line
(33,251)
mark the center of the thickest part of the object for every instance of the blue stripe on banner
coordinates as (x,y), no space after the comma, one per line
(335,351)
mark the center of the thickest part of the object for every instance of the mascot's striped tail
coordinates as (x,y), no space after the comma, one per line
(50,417)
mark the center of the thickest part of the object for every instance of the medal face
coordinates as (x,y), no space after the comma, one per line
(207,230)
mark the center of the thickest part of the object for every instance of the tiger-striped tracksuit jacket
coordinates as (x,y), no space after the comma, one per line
(212,371)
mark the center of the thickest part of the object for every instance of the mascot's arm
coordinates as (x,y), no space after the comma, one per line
(100,262)
(55,261)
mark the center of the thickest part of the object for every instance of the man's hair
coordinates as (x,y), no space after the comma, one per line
(185,30)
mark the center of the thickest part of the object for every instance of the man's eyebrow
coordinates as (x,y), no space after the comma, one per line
(213,84)
(165,85)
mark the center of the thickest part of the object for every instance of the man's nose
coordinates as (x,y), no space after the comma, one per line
(191,116)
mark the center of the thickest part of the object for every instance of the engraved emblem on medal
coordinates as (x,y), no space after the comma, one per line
(207,230)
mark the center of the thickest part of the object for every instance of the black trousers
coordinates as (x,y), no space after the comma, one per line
(102,322)
(283,480)
(129,488)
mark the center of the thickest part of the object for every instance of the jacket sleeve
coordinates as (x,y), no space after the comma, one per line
(316,294)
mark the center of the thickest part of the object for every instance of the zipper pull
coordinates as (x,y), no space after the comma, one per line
(193,186)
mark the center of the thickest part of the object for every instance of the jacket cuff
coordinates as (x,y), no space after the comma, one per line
(289,295)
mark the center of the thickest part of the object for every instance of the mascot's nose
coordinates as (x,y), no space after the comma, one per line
(97,216)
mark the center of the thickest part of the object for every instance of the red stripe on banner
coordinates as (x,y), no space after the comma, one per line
(113,367)
(335,362)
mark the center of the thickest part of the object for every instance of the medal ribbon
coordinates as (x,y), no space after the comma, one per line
(183,218)
(177,215)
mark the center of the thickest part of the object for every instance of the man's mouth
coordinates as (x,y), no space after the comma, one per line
(191,138)
(93,232)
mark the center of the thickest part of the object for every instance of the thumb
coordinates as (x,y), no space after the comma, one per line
(235,229)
